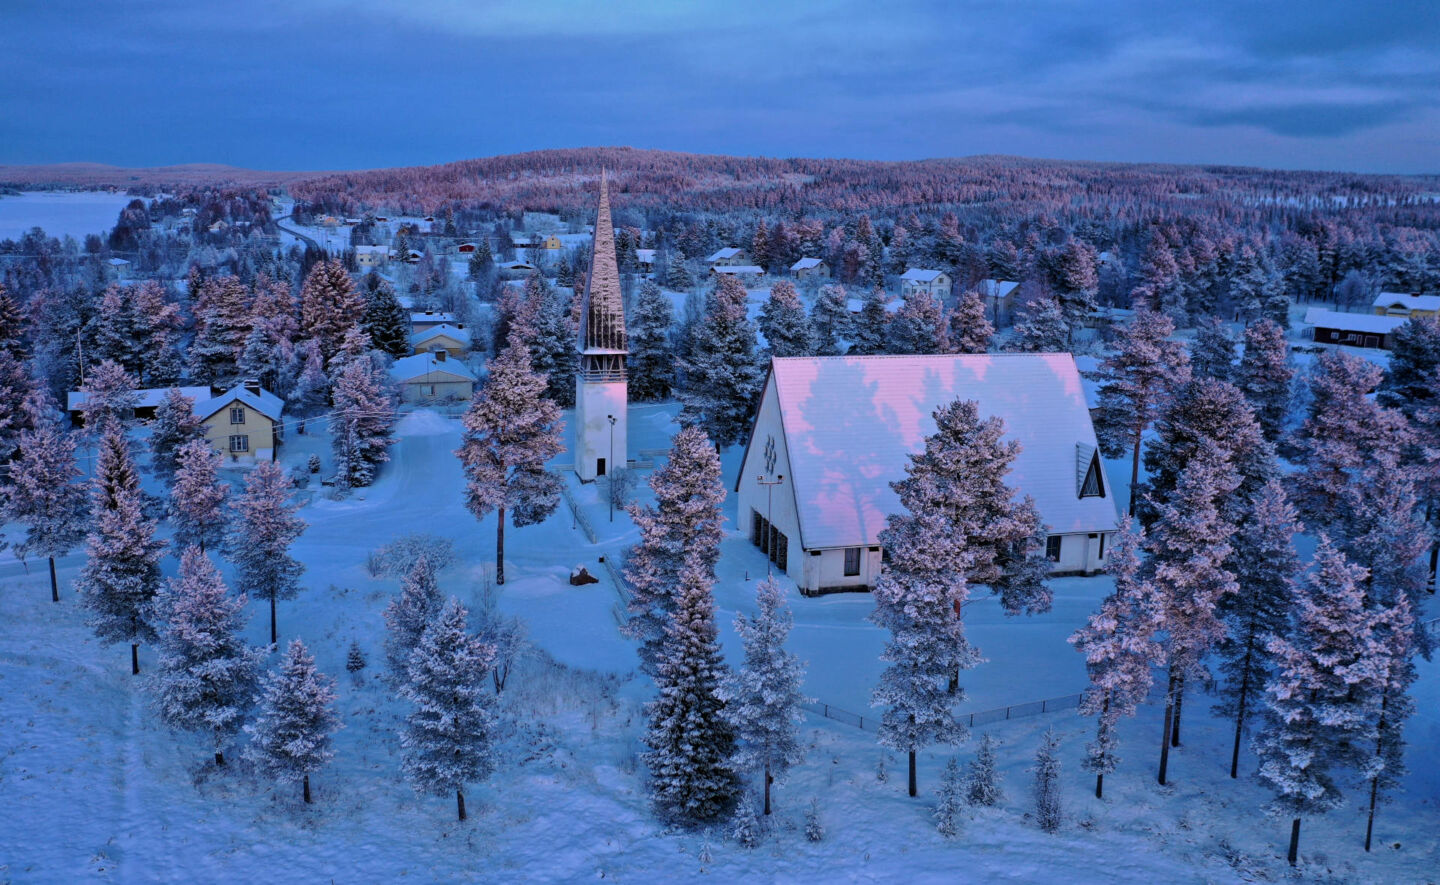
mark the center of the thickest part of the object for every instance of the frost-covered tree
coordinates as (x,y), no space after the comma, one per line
(115,473)
(449,737)
(947,812)
(762,699)
(1385,535)
(1264,564)
(970,328)
(385,320)
(355,662)
(206,677)
(1075,280)
(722,378)
(1135,383)
(45,492)
(511,430)
(1329,667)
(292,736)
(549,327)
(919,326)
(651,363)
(1212,353)
(408,614)
(783,322)
(869,327)
(830,320)
(122,572)
(1120,647)
(677,277)
(690,741)
(685,524)
(261,532)
(1265,374)
(175,425)
(362,421)
(198,498)
(222,323)
(109,397)
(1394,705)
(1041,327)
(329,306)
(1414,359)
(982,778)
(312,388)
(1048,809)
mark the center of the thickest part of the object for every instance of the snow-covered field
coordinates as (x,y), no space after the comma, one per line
(95,788)
(60,214)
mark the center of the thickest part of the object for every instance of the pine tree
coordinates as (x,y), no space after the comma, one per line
(745,825)
(1414,359)
(947,813)
(1048,812)
(449,736)
(109,397)
(652,358)
(119,330)
(722,379)
(511,430)
(1074,280)
(1264,564)
(689,739)
(355,662)
(222,323)
(175,425)
(198,498)
(814,826)
(868,329)
(762,699)
(830,321)
(1042,327)
(685,524)
(292,737)
(45,491)
(329,306)
(1120,648)
(982,779)
(1189,545)
(677,278)
(1264,376)
(1212,353)
(206,677)
(919,326)
(783,322)
(122,572)
(1330,664)
(408,614)
(115,473)
(1394,707)
(550,329)
(1135,384)
(312,388)
(264,527)
(970,329)
(387,323)
(15,387)
(1385,535)
(362,421)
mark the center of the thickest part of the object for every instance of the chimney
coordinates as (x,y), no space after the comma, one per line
(252,386)
(440,355)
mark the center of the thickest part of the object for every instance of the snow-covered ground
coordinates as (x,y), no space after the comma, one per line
(60,214)
(96,788)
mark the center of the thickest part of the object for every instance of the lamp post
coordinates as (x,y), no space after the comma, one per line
(610,469)
(769,485)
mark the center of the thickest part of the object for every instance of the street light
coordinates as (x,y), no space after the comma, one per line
(610,468)
(769,485)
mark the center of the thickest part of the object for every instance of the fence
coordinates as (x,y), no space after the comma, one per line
(970,720)
(581,519)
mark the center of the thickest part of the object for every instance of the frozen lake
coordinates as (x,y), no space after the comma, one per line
(60,214)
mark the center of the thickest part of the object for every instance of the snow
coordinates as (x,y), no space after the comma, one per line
(1353,322)
(60,213)
(96,788)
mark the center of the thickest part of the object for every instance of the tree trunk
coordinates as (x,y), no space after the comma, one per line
(770,780)
(1240,710)
(912,773)
(1134,475)
(273,634)
(55,585)
(499,579)
(1165,735)
(134,659)
(1294,842)
(1434,560)
(1370,823)
(460,803)
(1179,701)
(307,789)
(1100,785)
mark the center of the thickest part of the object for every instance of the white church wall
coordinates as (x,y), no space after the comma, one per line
(595,400)
(780,503)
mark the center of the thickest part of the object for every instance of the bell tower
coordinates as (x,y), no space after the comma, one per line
(601,390)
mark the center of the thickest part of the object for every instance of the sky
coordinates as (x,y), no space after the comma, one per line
(348,84)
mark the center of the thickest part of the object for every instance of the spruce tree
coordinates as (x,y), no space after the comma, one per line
(1135,384)
(982,778)
(385,320)
(970,329)
(689,738)
(329,306)
(947,812)
(175,425)
(1212,353)
(685,524)
(45,491)
(362,421)
(1042,327)
(651,363)
(1264,376)
(783,322)
(830,321)
(919,326)
(762,699)
(677,278)
(408,614)
(198,498)
(449,735)
(292,736)
(1048,813)
(511,430)
(206,678)
(722,379)
(1414,360)
(1394,704)
(109,397)
(868,328)
(263,528)
(222,323)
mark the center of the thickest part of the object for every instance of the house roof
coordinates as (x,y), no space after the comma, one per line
(723,254)
(917,275)
(1353,322)
(739,269)
(1407,302)
(997,288)
(516,265)
(147,398)
(372,250)
(807,264)
(850,423)
(265,402)
(422,365)
(432,316)
(645,256)
(454,332)
(117,262)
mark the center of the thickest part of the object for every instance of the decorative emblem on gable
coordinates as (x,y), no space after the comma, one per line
(770,454)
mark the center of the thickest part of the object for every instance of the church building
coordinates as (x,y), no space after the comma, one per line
(601,393)
(832,434)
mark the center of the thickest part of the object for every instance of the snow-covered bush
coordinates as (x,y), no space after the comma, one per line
(398,557)
(982,781)
(814,827)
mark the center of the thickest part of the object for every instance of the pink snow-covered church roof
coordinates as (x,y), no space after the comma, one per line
(850,422)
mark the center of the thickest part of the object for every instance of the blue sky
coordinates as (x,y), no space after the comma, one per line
(340,84)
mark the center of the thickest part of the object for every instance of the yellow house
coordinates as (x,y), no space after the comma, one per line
(553,242)
(453,339)
(243,423)
(1398,304)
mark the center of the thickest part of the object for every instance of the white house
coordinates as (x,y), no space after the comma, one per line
(935,282)
(371,256)
(427,377)
(729,256)
(424,321)
(645,259)
(836,432)
(807,268)
(455,339)
(749,273)
(999,297)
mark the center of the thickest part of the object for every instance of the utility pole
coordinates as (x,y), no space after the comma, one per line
(610,468)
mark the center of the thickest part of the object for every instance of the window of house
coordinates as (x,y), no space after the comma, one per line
(852,561)
(240,443)
(237,414)
(1093,487)
(1052,548)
